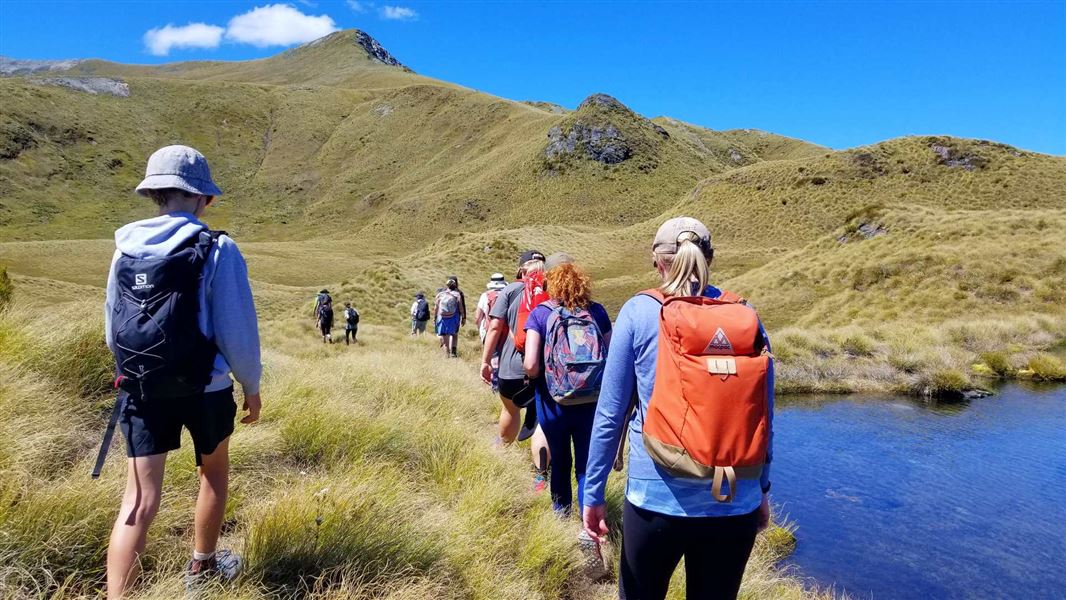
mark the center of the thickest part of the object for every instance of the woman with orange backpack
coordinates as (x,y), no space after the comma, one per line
(690,379)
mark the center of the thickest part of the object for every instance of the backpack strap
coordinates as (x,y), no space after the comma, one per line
(655,294)
(730,476)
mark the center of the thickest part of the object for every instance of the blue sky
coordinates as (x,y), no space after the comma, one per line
(835,73)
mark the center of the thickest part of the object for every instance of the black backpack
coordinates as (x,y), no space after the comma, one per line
(422,312)
(160,351)
(352,316)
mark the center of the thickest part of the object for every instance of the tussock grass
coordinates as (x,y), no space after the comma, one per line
(371,475)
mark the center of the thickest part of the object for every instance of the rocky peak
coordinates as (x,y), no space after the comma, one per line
(604,130)
(375,50)
(603,101)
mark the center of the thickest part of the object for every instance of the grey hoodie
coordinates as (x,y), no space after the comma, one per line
(227,312)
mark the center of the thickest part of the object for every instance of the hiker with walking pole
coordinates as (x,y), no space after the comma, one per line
(689,381)
(179,318)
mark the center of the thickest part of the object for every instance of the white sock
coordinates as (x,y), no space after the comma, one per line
(202,555)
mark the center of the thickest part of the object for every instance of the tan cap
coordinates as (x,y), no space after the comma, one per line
(557,259)
(666,237)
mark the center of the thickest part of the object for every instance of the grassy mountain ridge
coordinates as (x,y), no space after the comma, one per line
(344,170)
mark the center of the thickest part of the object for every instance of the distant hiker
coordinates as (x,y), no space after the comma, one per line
(481,317)
(566,347)
(689,376)
(325,320)
(351,323)
(175,342)
(447,316)
(322,298)
(419,314)
(462,314)
(506,323)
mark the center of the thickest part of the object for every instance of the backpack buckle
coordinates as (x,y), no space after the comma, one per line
(722,366)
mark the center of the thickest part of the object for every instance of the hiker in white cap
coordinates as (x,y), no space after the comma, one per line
(179,318)
(492,291)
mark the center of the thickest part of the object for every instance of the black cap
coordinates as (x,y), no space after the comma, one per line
(529,255)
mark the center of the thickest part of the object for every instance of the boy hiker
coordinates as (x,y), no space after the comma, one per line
(351,323)
(175,343)
(419,314)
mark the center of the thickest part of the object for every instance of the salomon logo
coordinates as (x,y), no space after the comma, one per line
(719,344)
(140,281)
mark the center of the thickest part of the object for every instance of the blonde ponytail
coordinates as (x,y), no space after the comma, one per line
(687,270)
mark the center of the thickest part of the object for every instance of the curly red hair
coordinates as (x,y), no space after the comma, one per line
(570,286)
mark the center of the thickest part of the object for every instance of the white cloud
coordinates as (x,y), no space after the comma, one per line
(360,7)
(277,25)
(161,40)
(398,13)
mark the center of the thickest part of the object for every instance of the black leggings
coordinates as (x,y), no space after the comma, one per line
(716,550)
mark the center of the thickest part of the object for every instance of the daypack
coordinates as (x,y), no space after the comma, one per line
(708,416)
(422,310)
(160,351)
(574,356)
(492,297)
(352,316)
(325,313)
(449,303)
(533,295)
(323,299)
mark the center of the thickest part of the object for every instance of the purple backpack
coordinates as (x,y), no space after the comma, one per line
(574,356)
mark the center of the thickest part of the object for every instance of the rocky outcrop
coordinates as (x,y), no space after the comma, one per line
(89,85)
(15,66)
(603,144)
(376,51)
(604,130)
(950,157)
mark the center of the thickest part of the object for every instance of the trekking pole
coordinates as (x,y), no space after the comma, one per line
(109,433)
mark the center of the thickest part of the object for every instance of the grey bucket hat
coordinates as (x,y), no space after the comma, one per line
(178,167)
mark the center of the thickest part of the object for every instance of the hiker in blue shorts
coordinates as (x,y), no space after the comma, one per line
(447,315)
(179,318)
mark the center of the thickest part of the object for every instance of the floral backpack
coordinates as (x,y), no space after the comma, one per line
(574,356)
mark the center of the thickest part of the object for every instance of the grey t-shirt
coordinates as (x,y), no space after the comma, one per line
(506,307)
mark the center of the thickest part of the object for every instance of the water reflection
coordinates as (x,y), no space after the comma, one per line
(900,498)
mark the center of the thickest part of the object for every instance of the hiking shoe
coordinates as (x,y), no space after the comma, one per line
(539,482)
(223,566)
(595,567)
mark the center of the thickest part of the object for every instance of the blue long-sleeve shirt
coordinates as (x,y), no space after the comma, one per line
(631,366)
(227,311)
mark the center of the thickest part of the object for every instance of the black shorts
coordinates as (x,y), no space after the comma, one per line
(154,426)
(519,391)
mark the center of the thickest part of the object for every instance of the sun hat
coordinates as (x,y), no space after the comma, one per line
(557,259)
(666,237)
(178,167)
(496,282)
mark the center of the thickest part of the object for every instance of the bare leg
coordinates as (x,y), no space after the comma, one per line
(538,442)
(510,421)
(211,502)
(140,502)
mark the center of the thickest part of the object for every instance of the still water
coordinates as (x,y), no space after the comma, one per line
(895,499)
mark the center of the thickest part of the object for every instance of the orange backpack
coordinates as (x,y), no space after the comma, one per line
(708,415)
